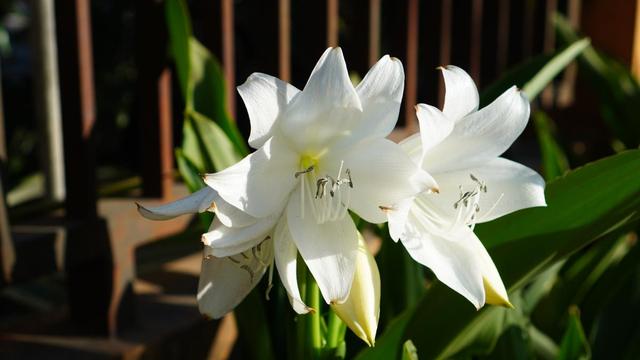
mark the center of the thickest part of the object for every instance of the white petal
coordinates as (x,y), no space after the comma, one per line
(231,216)
(481,136)
(397,217)
(260,183)
(265,98)
(286,255)
(412,146)
(228,241)
(510,187)
(495,292)
(380,94)
(199,201)
(434,126)
(461,95)
(223,285)
(453,262)
(328,249)
(327,107)
(382,175)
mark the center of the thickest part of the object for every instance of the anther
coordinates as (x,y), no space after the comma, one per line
(307,170)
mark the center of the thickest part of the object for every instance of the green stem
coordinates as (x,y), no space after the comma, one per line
(335,329)
(313,324)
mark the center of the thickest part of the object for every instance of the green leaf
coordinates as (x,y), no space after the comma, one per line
(533,75)
(534,86)
(192,150)
(179,26)
(218,149)
(584,205)
(554,160)
(574,343)
(209,92)
(409,351)
(618,89)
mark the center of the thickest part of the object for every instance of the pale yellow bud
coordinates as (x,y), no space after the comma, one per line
(361,311)
(495,295)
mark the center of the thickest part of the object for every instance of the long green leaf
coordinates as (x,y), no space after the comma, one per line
(217,146)
(534,86)
(534,74)
(209,92)
(574,344)
(582,206)
(554,160)
(617,88)
(179,26)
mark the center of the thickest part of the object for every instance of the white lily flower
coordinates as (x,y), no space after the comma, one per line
(460,148)
(320,153)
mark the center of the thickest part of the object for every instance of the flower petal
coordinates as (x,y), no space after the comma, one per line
(327,107)
(361,311)
(495,292)
(380,94)
(223,285)
(265,98)
(228,241)
(382,175)
(461,95)
(260,183)
(412,146)
(434,126)
(510,187)
(200,201)
(453,262)
(231,216)
(286,255)
(481,136)
(397,217)
(328,249)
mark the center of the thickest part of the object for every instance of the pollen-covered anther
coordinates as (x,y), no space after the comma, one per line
(386,208)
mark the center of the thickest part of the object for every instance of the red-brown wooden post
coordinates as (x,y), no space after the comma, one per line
(411,80)
(154,99)
(88,257)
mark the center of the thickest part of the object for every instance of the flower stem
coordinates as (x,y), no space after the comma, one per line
(335,329)
(313,324)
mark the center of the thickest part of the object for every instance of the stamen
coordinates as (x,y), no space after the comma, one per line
(305,171)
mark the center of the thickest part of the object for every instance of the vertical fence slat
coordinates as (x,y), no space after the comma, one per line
(549,44)
(88,253)
(635,56)
(7,252)
(332,23)
(78,106)
(503,36)
(47,98)
(154,100)
(228,54)
(476,40)
(566,88)
(284,42)
(374,31)
(411,80)
(445,43)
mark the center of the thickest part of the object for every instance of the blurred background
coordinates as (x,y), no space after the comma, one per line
(92,109)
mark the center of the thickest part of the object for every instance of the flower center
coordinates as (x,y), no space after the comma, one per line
(327,195)
(467,208)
